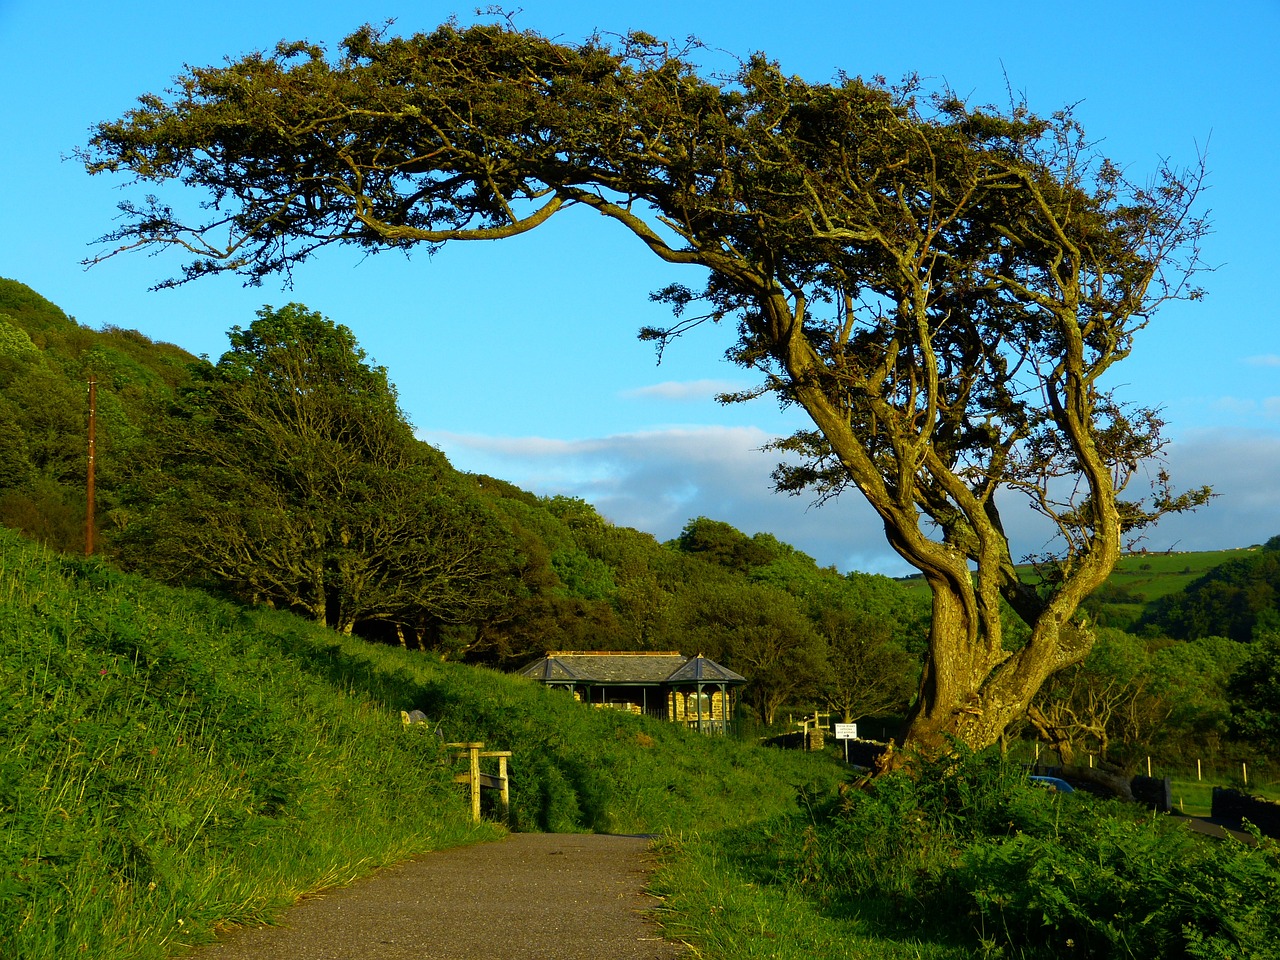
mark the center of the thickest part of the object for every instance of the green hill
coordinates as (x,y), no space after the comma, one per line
(1138,581)
(216,475)
(170,762)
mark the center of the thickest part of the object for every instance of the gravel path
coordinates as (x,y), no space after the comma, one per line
(531,896)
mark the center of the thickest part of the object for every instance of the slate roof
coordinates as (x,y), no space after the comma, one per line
(620,669)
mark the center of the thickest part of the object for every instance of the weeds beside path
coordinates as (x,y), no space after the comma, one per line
(531,896)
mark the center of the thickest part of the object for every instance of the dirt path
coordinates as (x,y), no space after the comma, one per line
(532,896)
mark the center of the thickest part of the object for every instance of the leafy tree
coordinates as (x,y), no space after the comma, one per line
(868,673)
(723,545)
(289,476)
(1195,675)
(1255,690)
(1226,601)
(759,631)
(1132,694)
(943,289)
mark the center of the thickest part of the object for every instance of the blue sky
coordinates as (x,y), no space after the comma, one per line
(520,359)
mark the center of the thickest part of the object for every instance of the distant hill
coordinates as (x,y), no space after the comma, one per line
(1145,582)
(569,578)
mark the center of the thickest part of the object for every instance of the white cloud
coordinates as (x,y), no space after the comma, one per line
(658,480)
(683,391)
(1243,467)
(1264,360)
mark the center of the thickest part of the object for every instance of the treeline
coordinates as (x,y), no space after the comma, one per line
(285,474)
(1196,674)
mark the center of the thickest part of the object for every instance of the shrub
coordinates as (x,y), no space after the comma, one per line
(990,860)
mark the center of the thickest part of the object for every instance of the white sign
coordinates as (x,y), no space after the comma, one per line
(846,731)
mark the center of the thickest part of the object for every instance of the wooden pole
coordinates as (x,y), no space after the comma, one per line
(89,491)
(474,751)
(505,789)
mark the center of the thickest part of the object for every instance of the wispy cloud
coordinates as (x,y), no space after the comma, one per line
(683,391)
(1264,360)
(1244,409)
(658,480)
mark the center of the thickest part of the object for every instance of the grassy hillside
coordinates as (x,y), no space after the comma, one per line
(1156,575)
(1137,581)
(169,762)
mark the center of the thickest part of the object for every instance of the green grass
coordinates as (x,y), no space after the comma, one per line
(725,910)
(170,763)
(1144,577)
(1151,574)
(968,860)
(1154,575)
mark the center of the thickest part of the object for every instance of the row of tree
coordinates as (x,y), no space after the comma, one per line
(286,474)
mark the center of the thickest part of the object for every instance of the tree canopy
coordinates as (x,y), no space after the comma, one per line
(943,289)
(288,475)
(1229,600)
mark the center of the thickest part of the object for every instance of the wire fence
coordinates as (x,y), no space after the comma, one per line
(1259,774)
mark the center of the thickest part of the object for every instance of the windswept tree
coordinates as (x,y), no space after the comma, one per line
(943,289)
(287,475)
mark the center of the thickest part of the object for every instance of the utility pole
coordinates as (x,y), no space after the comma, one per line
(89,510)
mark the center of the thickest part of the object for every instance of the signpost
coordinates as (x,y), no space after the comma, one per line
(846,732)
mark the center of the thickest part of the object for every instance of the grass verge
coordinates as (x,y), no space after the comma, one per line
(968,860)
(171,764)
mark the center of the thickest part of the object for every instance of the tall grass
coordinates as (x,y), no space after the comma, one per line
(969,860)
(163,769)
(170,763)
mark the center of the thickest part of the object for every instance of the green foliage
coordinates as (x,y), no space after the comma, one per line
(1225,601)
(968,859)
(1255,692)
(169,762)
(1132,695)
(723,545)
(288,475)
(46,359)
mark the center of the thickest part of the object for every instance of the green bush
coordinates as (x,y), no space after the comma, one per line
(966,855)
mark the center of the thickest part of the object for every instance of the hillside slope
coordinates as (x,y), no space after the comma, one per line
(169,762)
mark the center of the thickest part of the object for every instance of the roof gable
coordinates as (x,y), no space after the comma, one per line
(632,667)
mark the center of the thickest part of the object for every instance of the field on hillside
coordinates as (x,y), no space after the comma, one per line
(1139,579)
(1156,575)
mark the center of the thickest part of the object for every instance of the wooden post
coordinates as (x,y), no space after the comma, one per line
(89,491)
(474,751)
(475,779)
(504,791)
(471,751)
